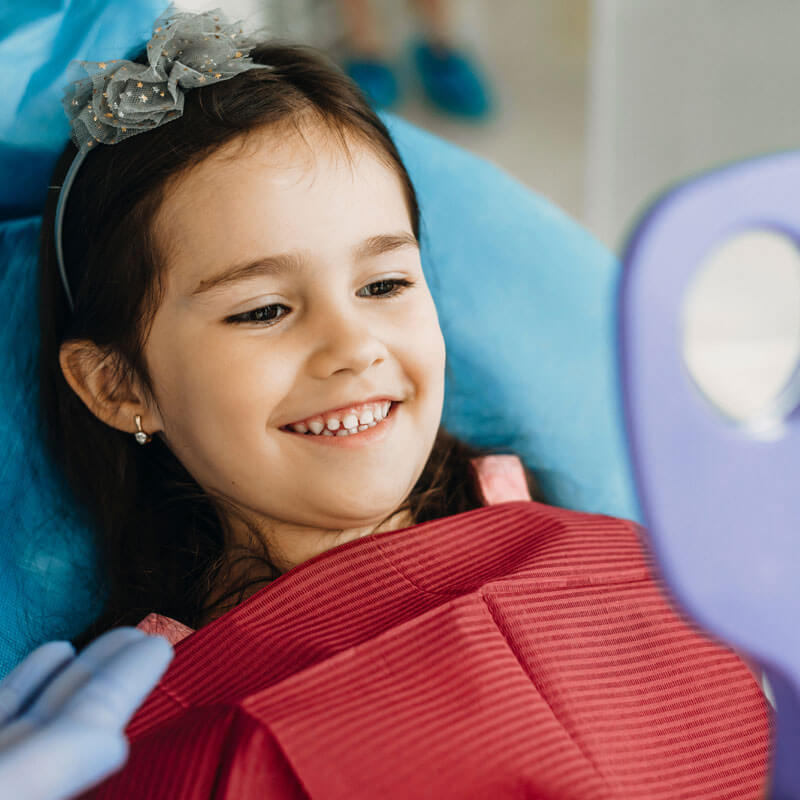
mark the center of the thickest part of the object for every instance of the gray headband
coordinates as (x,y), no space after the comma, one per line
(121,98)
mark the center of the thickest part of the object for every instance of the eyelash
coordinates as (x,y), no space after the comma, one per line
(247,316)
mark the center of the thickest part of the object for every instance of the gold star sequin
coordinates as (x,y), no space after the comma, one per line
(102,65)
(143,97)
(139,84)
(238,54)
(217,74)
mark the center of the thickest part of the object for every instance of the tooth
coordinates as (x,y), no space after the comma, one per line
(363,427)
(300,427)
(342,432)
(378,413)
(386,406)
(349,421)
(315,426)
(354,429)
(333,424)
(366,417)
(372,424)
(326,432)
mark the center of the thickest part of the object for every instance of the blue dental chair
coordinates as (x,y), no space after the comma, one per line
(545,371)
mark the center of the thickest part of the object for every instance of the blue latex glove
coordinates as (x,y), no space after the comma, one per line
(62,716)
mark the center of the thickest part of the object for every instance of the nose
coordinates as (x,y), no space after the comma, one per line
(347,338)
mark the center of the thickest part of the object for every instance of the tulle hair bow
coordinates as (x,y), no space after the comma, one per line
(121,98)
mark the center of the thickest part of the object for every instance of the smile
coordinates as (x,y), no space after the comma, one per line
(370,426)
(349,419)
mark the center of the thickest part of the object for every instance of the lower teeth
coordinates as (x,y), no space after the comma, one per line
(350,431)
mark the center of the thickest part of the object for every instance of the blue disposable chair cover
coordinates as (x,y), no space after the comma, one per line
(525,299)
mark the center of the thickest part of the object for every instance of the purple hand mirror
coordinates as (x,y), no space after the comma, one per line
(719,496)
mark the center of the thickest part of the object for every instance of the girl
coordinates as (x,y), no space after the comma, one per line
(247,395)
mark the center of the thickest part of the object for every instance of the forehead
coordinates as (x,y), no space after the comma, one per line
(279,178)
(280,189)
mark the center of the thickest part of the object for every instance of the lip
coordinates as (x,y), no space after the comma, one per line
(369,436)
(374,399)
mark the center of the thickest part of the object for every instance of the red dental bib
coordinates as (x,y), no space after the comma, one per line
(517,650)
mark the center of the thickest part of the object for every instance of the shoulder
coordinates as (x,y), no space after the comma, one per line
(553,544)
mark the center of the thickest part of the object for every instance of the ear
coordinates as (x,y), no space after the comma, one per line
(107,388)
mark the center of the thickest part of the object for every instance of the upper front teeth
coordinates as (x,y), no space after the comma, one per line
(369,416)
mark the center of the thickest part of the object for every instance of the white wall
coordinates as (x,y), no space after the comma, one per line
(250,11)
(678,86)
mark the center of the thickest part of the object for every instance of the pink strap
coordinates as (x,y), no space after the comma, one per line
(500,478)
(172,630)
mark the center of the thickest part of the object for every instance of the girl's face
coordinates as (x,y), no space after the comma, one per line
(286,297)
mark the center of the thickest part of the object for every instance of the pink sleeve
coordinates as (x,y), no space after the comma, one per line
(500,478)
(172,630)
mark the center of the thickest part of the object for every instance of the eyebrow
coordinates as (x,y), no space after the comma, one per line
(284,263)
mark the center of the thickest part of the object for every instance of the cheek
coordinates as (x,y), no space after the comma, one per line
(428,338)
(424,346)
(216,382)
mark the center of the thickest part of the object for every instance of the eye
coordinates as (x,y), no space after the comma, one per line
(395,283)
(263,315)
(267,316)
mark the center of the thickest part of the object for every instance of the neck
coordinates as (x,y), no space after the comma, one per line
(244,567)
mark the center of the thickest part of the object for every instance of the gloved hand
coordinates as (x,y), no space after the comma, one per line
(62,716)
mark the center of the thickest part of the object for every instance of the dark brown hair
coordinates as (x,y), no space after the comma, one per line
(159,535)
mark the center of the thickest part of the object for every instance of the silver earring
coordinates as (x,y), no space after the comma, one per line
(140,436)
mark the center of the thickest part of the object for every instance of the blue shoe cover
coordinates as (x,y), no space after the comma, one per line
(376,79)
(452,81)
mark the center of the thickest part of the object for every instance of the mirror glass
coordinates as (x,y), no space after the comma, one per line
(741,326)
